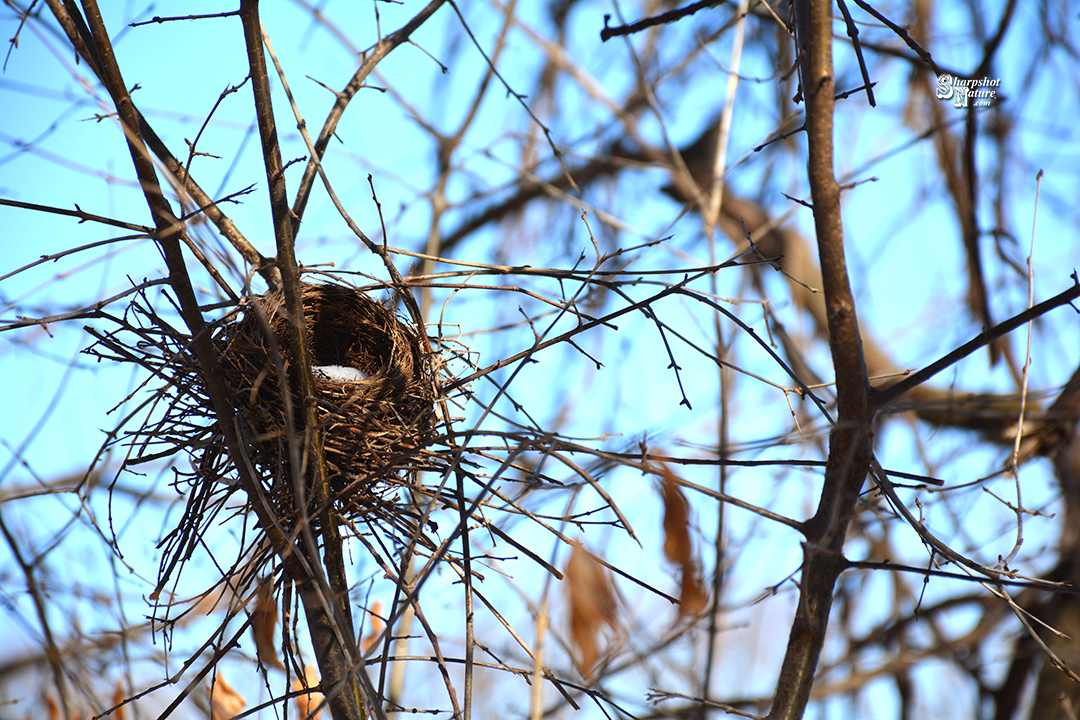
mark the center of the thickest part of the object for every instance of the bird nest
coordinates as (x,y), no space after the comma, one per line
(376,379)
(374,396)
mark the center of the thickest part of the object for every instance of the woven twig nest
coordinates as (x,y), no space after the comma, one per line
(374,394)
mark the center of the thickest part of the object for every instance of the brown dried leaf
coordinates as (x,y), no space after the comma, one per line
(225,703)
(678,546)
(118,697)
(211,601)
(263,621)
(377,626)
(694,596)
(51,708)
(592,604)
(308,702)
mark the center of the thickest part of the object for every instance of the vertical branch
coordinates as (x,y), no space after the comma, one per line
(33,588)
(329,621)
(466,566)
(849,442)
(711,215)
(167,236)
(371,59)
(299,355)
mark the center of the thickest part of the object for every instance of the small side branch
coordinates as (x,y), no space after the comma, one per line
(662,19)
(884,397)
(385,46)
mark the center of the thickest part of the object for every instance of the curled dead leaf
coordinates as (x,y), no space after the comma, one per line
(593,604)
(377,626)
(225,703)
(678,545)
(118,697)
(694,596)
(308,702)
(51,708)
(263,621)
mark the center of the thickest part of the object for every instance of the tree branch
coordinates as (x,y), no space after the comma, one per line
(882,398)
(67,15)
(329,618)
(168,237)
(849,442)
(385,46)
(663,18)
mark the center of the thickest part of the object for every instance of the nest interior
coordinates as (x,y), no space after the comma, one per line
(375,429)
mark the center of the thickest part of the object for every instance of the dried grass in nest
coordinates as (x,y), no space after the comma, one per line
(374,430)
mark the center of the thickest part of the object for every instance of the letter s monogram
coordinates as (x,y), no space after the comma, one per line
(944,87)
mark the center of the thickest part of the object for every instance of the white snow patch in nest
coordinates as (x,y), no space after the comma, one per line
(340,373)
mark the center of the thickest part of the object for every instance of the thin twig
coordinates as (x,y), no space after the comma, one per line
(663,18)
(902,33)
(78,213)
(882,398)
(853,33)
(385,46)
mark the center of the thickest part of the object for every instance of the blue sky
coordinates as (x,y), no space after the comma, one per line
(901,238)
